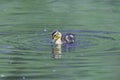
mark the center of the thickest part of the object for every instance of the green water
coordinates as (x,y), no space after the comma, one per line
(25,39)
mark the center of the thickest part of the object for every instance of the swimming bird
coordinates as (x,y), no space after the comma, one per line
(58,39)
(67,38)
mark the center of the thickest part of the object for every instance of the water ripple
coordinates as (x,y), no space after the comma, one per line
(27,55)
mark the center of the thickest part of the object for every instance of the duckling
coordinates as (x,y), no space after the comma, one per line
(56,49)
(65,39)
(58,40)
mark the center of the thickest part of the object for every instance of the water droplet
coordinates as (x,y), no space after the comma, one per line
(45,29)
(46,64)
(23,78)
(82,54)
(2,75)
(53,70)
(4,10)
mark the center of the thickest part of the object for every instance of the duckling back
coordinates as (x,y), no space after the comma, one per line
(69,38)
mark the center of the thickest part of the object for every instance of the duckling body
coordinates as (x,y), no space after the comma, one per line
(58,38)
(68,38)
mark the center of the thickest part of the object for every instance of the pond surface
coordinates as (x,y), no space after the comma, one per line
(25,39)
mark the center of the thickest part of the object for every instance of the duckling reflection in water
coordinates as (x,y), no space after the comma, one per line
(58,40)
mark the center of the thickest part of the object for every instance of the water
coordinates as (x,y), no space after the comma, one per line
(25,39)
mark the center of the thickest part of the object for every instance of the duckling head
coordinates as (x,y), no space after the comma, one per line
(56,37)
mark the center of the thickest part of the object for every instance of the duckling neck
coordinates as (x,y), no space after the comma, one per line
(58,41)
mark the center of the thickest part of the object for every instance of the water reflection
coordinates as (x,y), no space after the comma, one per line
(56,51)
(69,47)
